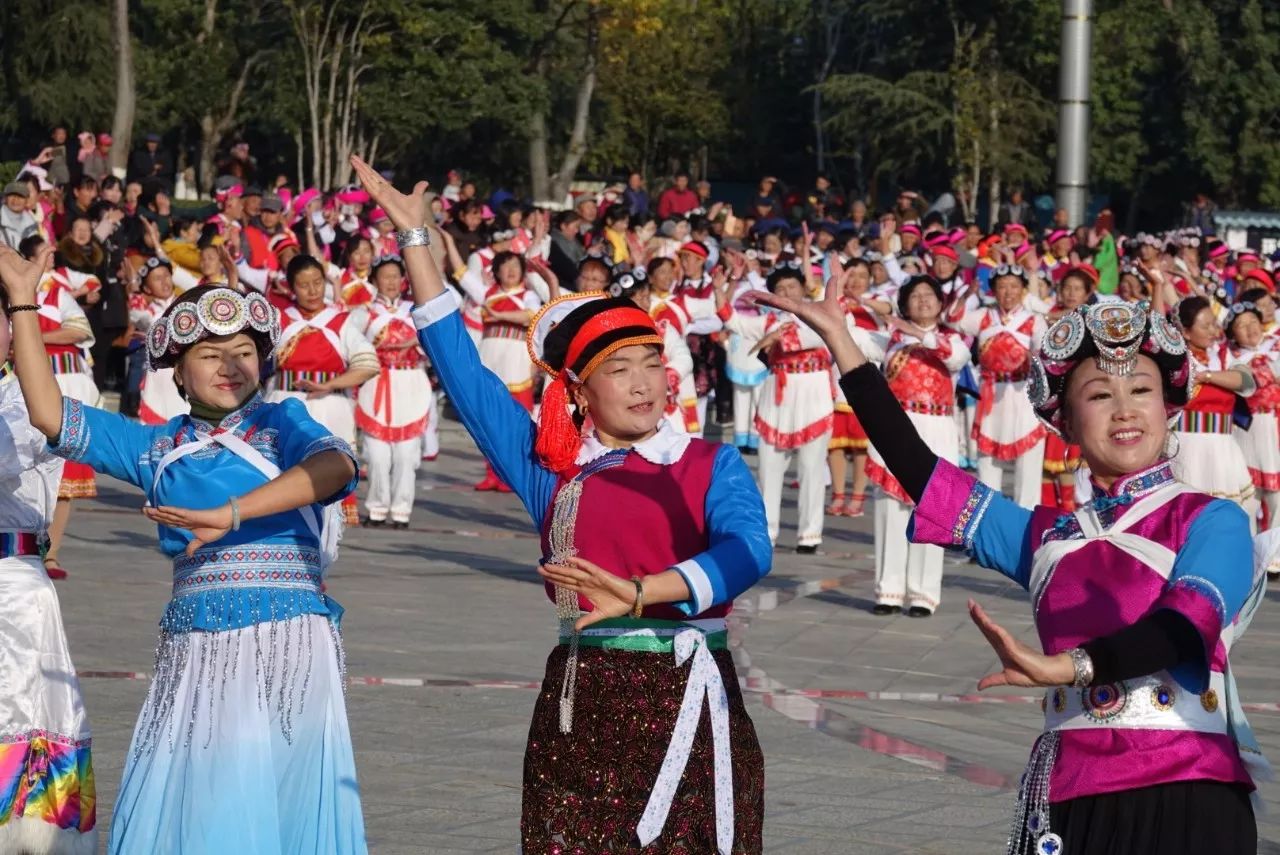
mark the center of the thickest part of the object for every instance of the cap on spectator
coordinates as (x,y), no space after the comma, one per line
(104,139)
(945,251)
(697,248)
(152,137)
(252,190)
(282,241)
(223,183)
(16,188)
(272,202)
(1058,234)
(732,245)
(873,231)
(1015,227)
(910,229)
(1262,278)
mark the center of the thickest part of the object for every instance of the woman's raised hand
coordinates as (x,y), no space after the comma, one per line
(611,596)
(206,526)
(406,211)
(21,277)
(1020,664)
(826,317)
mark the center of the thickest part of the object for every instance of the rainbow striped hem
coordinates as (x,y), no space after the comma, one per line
(287,381)
(1202,422)
(66,363)
(14,543)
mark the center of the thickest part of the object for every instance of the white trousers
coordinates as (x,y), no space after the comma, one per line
(907,574)
(392,467)
(1027,472)
(702,415)
(964,421)
(811,464)
(745,399)
(431,435)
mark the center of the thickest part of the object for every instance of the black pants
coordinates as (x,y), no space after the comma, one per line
(108,360)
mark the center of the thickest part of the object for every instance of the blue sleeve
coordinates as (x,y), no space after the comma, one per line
(301,437)
(1212,576)
(500,427)
(957,509)
(109,442)
(739,554)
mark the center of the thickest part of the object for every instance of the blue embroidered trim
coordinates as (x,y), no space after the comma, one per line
(250,565)
(329,443)
(971,514)
(1139,484)
(1206,589)
(73,442)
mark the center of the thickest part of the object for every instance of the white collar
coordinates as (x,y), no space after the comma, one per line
(663,448)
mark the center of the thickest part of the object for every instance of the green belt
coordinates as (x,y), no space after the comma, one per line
(644,643)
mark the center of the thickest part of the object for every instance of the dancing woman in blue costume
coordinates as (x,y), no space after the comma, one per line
(242,745)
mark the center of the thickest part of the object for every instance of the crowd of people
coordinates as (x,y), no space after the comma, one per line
(924,358)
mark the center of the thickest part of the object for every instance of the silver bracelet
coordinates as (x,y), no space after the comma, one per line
(235,513)
(1083,666)
(413,237)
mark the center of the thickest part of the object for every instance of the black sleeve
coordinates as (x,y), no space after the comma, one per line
(888,428)
(1157,642)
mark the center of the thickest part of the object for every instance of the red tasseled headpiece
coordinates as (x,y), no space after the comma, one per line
(558,437)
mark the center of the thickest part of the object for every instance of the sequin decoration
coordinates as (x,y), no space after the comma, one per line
(1166,336)
(586,791)
(184,324)
(1064,338)
(1038,385)
(1162,697)
(1209,700)
(1049,844)
(1103,703)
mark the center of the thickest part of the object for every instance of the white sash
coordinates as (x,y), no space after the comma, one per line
(1010,327)
(326,533)
(383,316)
(319,322)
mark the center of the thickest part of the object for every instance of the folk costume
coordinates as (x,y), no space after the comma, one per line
(1209,458)
(745,369)
(1004,427)
(1147,586)
(595,779)
(245,717)
(1260,442)
(674,317)
(161,400)
(395,411)
(920,372)
(71,365)
(47,795)
(318,348)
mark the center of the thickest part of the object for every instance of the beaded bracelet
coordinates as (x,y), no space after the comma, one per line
(12,310)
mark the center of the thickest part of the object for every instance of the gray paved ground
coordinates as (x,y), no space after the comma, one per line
(454,602)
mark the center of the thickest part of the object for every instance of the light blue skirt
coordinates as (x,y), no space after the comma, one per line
(242,747)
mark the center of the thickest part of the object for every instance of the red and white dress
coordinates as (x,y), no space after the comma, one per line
(71,366)
(921,374)
(673,320)
(1261,442)
(395,411)
(352,288)
(318,349)
(1005,426)
(502,343)
(846,430)
(1209,458)
(160,398)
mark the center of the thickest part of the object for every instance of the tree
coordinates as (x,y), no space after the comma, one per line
(122,125)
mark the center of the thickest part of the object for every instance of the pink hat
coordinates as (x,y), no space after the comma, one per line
(104,139)
(910,229)
(957,235)
(304,199)
(1058,234)
(1015,227)
(1219,250)
(352,196)
(488,213)
(233,190)
(377,214)
(945,251)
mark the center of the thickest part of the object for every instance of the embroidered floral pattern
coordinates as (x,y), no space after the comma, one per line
(971,514)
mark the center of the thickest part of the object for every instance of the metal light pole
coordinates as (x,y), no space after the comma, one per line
(1073,109)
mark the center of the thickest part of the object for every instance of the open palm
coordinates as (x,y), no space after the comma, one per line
(407,211)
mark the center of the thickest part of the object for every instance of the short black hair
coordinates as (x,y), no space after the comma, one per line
(299,263)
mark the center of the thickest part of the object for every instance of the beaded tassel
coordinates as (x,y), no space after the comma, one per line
(560,538)
(1030,830)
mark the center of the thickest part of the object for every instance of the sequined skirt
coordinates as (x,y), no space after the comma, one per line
(585,791)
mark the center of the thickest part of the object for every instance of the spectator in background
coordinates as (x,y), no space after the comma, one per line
(1199,213)
(567,251)
(767,203)
(95,160)
(677,200)
(466,227)
(84,192)
(17,223)
(858,221)
(1017,211)
(150,163)
(58,166)
(634,197)
(453,186)
(239,163)
(588,210)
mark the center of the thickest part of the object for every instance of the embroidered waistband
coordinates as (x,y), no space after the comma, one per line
(504,330)
(287,381)
(15,543)
(1195,421)
(248,566)
(1154,702)
(67,363)
(648,635)
(927,409)
(808,364)
(1004,376)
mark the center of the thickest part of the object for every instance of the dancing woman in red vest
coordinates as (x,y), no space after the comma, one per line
(648,535)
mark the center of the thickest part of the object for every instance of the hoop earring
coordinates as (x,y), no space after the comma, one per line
(1177,445)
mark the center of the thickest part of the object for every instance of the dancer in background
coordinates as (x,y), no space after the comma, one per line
(161,398)
(395,411)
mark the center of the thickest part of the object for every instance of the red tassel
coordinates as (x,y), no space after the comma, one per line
(558,438)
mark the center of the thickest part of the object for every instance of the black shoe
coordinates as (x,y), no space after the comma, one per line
(885,609)
(372,523)
(807,549)
(919,611)
(400,524)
